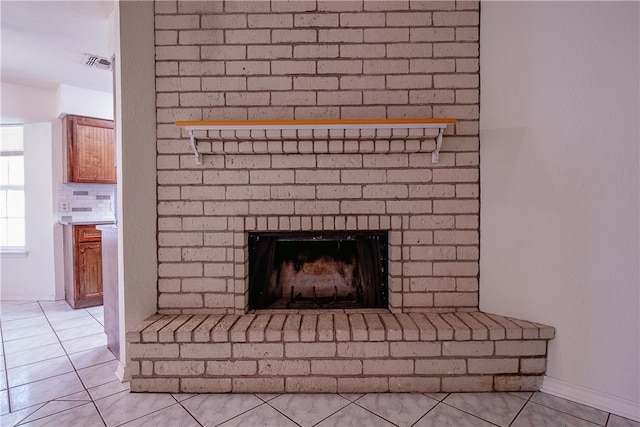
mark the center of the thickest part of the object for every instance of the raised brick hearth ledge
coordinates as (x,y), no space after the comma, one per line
(333,351)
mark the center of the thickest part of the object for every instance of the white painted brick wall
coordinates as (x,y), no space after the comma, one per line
(326,59)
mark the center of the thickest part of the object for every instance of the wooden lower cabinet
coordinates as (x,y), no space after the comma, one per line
(83,265)
(89,274)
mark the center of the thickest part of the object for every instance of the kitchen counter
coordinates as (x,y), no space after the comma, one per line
(85,222)
(107,227)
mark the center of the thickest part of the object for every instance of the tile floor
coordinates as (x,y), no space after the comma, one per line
(56,370)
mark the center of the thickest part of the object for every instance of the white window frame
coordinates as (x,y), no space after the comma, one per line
(13,251)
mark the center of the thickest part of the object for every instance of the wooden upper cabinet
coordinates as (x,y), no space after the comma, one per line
(90,145)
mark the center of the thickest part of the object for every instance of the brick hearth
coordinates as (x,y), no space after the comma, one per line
(369,351)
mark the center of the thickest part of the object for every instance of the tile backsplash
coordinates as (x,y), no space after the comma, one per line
(86,202)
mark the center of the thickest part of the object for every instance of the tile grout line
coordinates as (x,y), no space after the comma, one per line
(438,402)
(332,414)
(242,413)
(572,415)
(378,415)
(280,412)
(96,319)
(42,404)
(188,412)
(526,402)
(6,368)
(345,406)
(4,357)
(432,409)
(156,411)
(6,372)
(75,370)
(67,355)
(467,412)
(328,416)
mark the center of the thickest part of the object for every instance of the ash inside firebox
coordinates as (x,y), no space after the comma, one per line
(332,270)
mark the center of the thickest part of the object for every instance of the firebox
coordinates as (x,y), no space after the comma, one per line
(305,270)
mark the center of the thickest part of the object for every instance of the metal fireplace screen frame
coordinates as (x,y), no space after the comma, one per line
(363,253)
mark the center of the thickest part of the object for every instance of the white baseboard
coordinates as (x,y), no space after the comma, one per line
(596,399)
(122,373)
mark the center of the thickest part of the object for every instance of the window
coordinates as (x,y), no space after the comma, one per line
(12,221)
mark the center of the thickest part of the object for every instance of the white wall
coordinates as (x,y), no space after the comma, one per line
(20,104)
(133,41)
(559,187)
(84,102)
(33,277)
(40,274)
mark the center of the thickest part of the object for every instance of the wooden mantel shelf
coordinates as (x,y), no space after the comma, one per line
(263,125)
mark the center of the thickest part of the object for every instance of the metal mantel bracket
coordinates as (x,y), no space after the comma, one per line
(197,155)
(435,154)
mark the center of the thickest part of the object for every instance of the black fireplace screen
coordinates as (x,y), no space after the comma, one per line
(318,270)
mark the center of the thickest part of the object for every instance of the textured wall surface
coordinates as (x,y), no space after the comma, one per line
(560,221)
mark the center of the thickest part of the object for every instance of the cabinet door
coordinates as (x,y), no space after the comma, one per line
(89,274)
(91,147)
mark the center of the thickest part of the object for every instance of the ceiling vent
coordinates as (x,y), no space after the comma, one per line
(97,62)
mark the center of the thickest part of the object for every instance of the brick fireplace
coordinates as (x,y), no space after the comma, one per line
(325,60)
